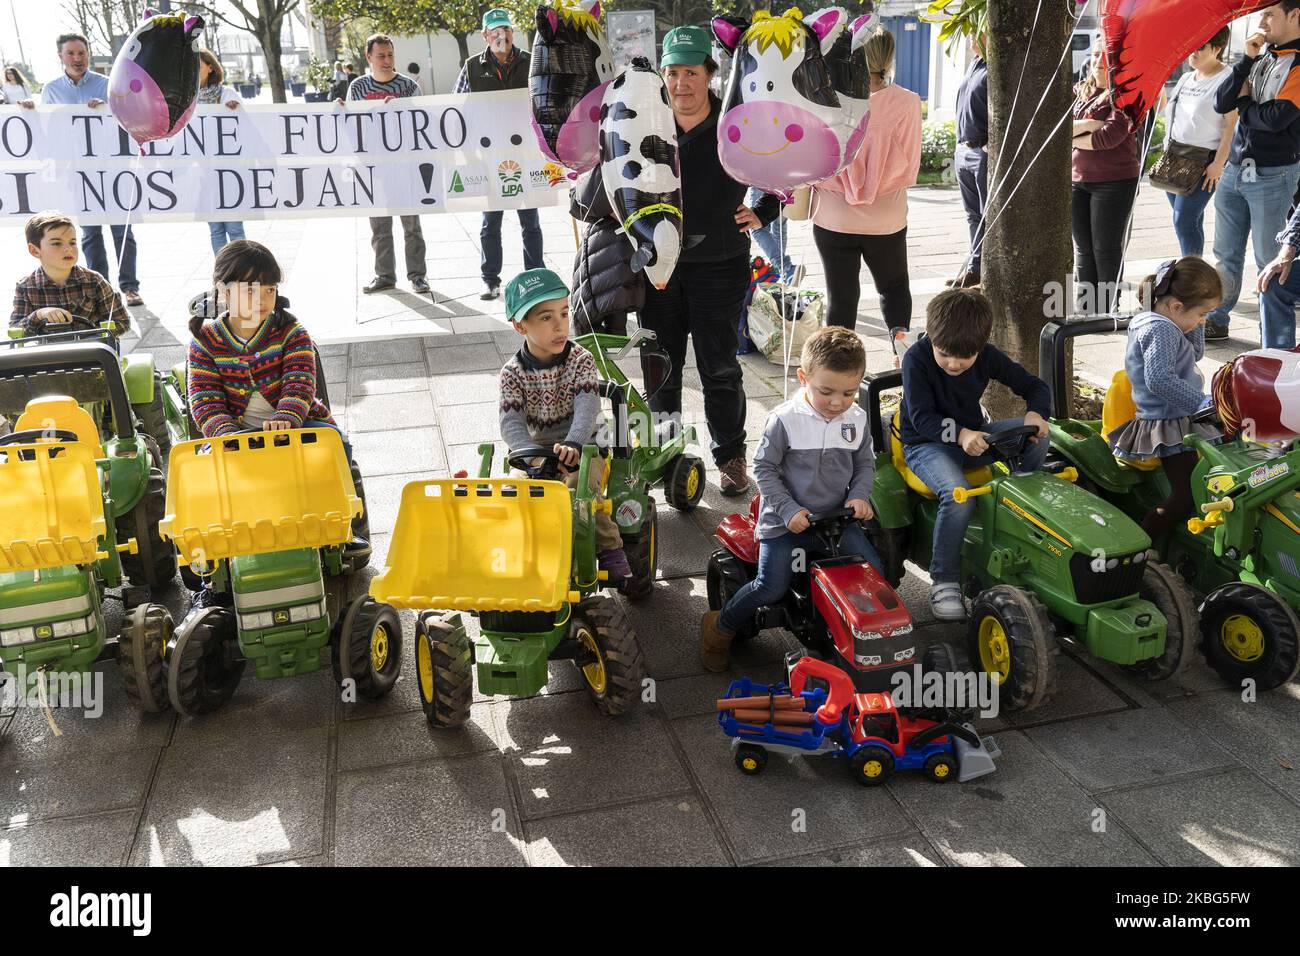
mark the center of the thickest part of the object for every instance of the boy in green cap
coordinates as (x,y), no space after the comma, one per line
(550,394)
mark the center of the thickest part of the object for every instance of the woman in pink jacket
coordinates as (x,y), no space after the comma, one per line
(861,214)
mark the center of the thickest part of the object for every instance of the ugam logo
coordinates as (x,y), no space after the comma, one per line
(511,175)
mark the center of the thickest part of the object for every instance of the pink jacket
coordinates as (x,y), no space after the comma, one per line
(869,196)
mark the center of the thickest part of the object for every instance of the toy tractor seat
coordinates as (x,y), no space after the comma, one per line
(480,544)
(58,412)
(975,478)
(1117,410)
(51,506)
(259,492)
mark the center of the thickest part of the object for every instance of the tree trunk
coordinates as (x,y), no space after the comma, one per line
(1028,251)
(269,37)
(462,43)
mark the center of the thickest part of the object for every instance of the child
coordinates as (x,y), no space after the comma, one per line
(942,425)
(815,457)
(1164,345)
(49,298)
(550,394)
(251,365)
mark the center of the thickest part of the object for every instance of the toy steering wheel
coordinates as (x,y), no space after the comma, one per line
(828,525)
(548,469)
(1010,444)
(1209,415)
(78,323)
(31,436)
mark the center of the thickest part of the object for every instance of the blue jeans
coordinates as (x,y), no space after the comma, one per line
(940,466)
(771,239)
(776,569)
(973,181)
(490,238)
(1189,219)
(1277,311)
(92,245)
(1247,209)
(224,232)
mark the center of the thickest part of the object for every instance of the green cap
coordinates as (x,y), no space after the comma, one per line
(531,287)
(496,18)
(688,46)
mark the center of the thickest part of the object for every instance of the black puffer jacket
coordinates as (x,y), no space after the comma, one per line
(603,281)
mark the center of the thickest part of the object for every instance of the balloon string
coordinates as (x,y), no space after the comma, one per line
(1015,100)
(984,226)
(1128,226)
(137,198)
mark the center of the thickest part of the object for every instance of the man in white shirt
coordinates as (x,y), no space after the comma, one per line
(79,85)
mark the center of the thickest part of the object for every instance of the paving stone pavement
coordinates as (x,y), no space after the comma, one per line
(1112,771)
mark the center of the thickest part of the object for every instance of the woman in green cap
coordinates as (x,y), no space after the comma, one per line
(714,265)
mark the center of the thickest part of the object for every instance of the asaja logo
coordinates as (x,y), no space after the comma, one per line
(463,182)
(511,175)
(456,185)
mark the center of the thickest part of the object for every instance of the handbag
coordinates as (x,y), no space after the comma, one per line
(1181,168)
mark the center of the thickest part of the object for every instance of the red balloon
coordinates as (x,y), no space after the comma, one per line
(1147,39)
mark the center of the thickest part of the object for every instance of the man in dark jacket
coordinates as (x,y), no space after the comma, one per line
(1263,167)
(500,67)
(972,157)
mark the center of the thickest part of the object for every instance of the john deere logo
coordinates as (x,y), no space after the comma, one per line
(280,617)
(511,175)
(44,631)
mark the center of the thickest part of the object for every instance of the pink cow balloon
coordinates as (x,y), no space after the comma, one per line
(784,124)
(155,79)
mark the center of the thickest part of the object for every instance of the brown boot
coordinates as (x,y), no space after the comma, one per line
(714,643)
(733,477)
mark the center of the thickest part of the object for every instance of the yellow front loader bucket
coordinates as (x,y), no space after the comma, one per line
(51,506)
(259,492)
(485,544)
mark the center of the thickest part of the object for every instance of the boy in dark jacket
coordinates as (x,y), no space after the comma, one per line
(942,425)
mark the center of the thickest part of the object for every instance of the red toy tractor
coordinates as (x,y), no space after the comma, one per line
(839,607)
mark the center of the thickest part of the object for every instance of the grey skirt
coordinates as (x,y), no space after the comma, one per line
(1159,438)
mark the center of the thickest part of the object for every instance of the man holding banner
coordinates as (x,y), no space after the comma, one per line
(500,67)
(383,82)
(78,85)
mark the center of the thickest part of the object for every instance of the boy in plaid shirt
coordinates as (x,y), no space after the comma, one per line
(60,289)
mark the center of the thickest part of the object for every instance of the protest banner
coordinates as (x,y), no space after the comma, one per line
(428,154)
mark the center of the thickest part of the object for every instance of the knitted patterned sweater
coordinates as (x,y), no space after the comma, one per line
(278,361)
(548,403)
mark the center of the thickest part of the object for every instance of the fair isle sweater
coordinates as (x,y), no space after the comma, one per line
(278,361)
(548,403)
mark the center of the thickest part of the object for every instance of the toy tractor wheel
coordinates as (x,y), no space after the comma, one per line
(684,482)
(891,544)
(1011,638)
(203,664)
(872,766)
(941,768)
(140,656)
(1174,599)
(155,564)
(1250,632)
(643,555)
(369,648)
(751,759)
(945,658)
(610,657)
(151,417)
(444,669)
(727,575)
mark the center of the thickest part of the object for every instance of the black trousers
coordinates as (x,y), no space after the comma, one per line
(702,301)
(886,257)
(1099,220)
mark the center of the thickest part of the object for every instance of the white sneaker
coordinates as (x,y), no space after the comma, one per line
(946,602)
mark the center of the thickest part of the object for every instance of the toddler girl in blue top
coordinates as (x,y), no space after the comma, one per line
(1164,345)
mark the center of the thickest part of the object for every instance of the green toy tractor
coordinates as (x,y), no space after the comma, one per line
(263,517)
(143,382)
(67,506)
(1042,559)
(520,553)
(1242,550)
(643,455)
(78,377)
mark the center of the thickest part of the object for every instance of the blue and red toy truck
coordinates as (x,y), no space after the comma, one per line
(821,712)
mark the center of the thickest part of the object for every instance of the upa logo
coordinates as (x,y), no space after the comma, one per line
(77,909)
(511,175)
